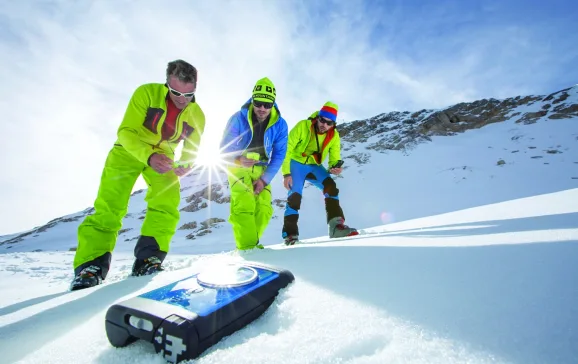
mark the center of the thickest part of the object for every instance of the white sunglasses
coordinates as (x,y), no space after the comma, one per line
(178,93)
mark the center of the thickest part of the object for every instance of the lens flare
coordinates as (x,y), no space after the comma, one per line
(386,217)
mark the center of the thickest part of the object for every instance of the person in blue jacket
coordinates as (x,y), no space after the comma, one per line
(254,143)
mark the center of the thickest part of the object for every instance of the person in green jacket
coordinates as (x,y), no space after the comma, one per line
(158,117)
(254,143)
(311,141)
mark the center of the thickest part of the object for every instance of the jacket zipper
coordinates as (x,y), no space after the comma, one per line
(161,128)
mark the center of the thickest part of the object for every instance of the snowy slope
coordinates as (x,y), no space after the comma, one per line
(492,284)
(462,258)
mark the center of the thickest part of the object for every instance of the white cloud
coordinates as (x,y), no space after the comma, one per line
(69,68)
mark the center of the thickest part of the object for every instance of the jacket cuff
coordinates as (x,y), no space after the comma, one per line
(149,159)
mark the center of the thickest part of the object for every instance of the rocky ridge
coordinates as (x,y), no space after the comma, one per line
(404,130)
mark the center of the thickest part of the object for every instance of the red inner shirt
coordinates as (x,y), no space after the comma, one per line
(170,120)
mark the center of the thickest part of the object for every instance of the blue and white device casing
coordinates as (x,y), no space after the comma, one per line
(212,289)
(184,318)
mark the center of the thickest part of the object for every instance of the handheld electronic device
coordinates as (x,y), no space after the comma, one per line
(182,164)
(253,156)
(186,317)
(338,164)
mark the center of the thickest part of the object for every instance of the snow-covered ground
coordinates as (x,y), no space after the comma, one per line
(497,283)
(460,260)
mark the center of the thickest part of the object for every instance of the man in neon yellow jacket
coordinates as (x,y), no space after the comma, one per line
(255,143)
(158,117)
(310,142)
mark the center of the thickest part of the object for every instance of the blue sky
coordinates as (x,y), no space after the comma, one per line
(69,67)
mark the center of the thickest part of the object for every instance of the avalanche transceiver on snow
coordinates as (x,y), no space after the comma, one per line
(186,317)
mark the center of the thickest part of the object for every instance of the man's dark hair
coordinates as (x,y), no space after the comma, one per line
(184,71)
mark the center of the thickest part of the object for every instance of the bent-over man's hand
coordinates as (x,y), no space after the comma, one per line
(182,168)
(246,162)
(336,170)
(288,182)
(160,163)
(181,171)
(258,186)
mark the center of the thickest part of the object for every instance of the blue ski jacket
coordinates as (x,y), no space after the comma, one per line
(239,132)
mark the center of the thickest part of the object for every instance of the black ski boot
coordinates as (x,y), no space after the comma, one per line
(291,239)
(145,267)
(88,277)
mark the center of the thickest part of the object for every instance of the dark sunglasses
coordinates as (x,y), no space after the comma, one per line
(177,93)
(326,121)
(258,104)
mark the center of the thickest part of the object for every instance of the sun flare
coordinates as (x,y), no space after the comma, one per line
(210,158)
(211,164)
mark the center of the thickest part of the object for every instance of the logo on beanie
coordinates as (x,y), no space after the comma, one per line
(264,92)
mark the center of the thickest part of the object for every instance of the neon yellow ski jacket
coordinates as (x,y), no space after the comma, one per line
(299,137)
(140,130)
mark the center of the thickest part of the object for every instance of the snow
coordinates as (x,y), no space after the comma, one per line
(460,260)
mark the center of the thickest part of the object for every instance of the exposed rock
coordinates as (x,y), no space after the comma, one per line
(204,232)
(564,112)
(532,117)
(279,203)
(197,201)
(122,231)
(360,158)
(88,211)
(211,222)
(137,192)
(551,96)
(205,227)
(563,96)
(43,228)
(189,226)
